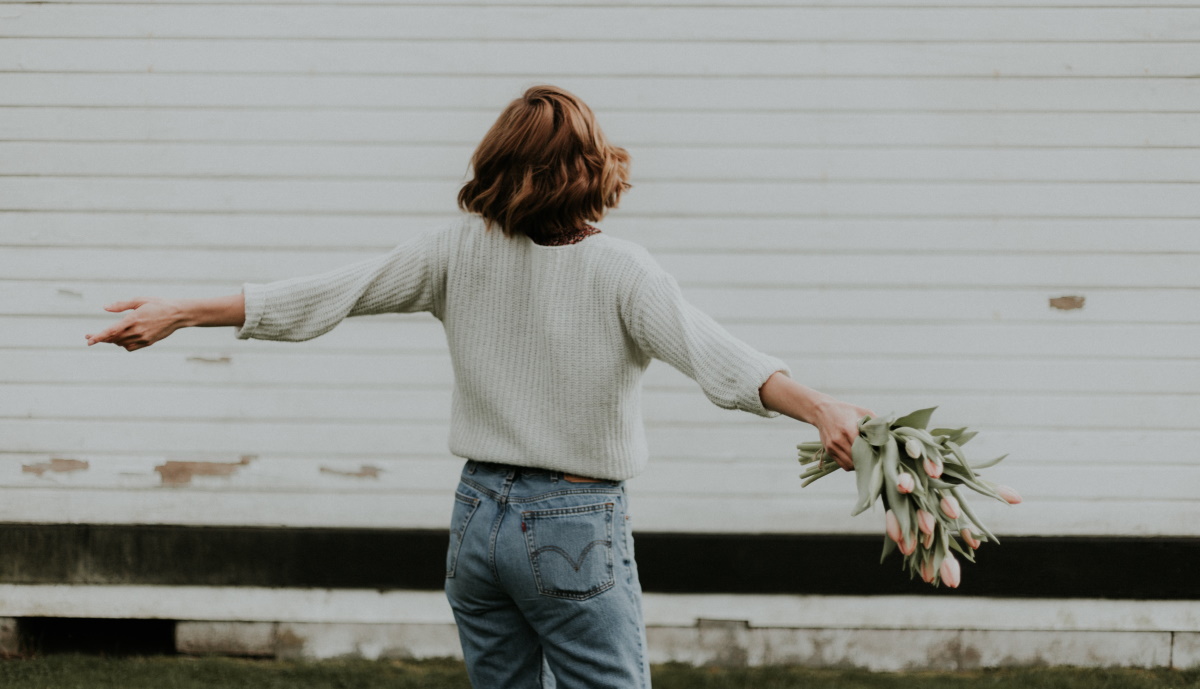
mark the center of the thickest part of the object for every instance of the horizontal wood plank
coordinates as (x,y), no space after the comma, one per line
(849,304)
(735,440)
(292,231)
(420,418)
(167,122)
(950,57)
(656,164)
(985,269)
(679,514)
(607,95)
(770,199)
(805,345)
(70,383)
(705,480)
(600,22)
(964,4)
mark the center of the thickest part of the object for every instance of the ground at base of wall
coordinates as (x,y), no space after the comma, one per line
(192,672)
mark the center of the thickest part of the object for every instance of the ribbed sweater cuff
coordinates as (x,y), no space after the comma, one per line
(764,369)
(252,294)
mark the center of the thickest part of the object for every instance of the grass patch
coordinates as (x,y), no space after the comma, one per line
(79,671)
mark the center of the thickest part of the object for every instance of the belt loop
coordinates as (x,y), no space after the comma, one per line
(471,464)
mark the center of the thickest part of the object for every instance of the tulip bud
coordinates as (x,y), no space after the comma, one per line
(951,571)
(925,521)
(908,544)
(969,539)
(893,526)
(928,541)
(1010,496)
(933,467)
(905,483)
(950,507)
(913,448)
(926,570)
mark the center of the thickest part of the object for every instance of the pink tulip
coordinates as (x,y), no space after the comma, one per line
(933,467)
(969,539)
(1010,496)
(927,541)
(951,571)
(926,570)
(905,483)
(908,544)
(893,526)
(950,507)
(925,521)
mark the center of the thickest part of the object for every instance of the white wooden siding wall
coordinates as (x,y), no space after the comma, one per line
(886,196)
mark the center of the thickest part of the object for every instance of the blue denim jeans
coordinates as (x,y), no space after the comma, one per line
(541,577)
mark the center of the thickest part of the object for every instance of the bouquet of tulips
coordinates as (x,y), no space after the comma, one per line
(921,476)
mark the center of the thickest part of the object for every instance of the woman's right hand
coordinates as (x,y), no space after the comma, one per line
(152,319)
(837,422)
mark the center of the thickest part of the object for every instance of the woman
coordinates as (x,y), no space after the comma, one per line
(550,325)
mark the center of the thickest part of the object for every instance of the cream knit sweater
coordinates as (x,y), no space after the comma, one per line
(548,343)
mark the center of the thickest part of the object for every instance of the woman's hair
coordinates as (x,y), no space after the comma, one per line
(544,167)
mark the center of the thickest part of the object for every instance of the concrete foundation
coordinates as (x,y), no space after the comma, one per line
(1185,651)
(728,644)
(9,642)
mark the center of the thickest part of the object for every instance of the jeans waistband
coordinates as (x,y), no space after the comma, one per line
(514,470)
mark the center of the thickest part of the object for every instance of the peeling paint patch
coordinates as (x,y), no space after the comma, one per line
(225,359)
(181,473)
(364,471)
(1066,303)
(55,464)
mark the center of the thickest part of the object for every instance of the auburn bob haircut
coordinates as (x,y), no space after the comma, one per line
(545,168)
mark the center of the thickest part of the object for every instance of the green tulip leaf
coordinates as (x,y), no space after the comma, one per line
(876,431)
(889,546)
(918,419)
(962,459)
(965,552)
(865,460)
(962,439)
(990,462)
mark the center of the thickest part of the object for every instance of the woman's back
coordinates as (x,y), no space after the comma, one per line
(546,371)
(548,342)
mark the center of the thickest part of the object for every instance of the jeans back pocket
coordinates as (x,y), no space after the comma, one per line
(571,549)
(464,508)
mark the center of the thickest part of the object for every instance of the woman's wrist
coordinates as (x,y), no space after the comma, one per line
(783,394)
(215,311)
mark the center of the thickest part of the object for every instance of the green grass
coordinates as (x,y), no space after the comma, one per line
(76,671)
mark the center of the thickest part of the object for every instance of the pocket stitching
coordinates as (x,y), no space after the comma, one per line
(535,552)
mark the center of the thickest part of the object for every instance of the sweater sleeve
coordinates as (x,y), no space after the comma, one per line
(301,308)
(668,327)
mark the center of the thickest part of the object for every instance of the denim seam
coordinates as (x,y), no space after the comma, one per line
(560,493)
(482,489)
(473,505)
(502,501)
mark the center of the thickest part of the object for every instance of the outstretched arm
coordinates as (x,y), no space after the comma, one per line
(837,421)
(730,372)
(153,318)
